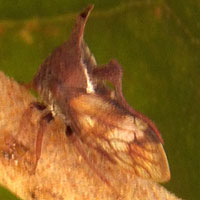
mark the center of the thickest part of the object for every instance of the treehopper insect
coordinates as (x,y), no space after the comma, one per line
(105,130)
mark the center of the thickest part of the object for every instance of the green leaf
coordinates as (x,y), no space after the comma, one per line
(156,42)
(6,195)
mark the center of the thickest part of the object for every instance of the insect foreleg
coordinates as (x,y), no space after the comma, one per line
(45,118)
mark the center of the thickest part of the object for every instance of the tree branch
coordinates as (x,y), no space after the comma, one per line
(61,172)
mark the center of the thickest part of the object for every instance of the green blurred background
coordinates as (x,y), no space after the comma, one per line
(157,43)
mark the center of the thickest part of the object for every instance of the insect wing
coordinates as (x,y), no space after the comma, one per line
(125,140)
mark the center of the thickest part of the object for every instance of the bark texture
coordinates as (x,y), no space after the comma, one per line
(61,173)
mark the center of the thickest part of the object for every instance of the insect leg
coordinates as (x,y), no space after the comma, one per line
(44,120)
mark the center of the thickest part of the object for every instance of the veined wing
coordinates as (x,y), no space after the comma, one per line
(122,138)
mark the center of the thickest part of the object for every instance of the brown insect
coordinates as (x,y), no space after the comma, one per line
(72,86)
